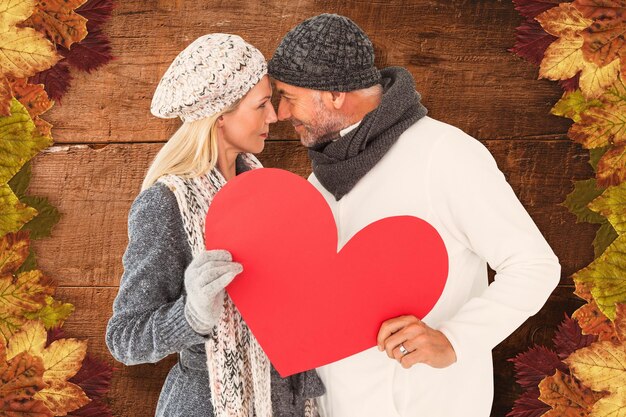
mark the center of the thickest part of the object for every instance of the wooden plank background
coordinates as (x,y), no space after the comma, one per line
(105,139)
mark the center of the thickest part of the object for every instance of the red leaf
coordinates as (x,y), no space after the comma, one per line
(569,338)
(571,84)
(89,54)
(535,364)
(95,408)
(54,334)
(529,405)
(97,12)
(56,80)
(531,41)
(94,377)
(533,8)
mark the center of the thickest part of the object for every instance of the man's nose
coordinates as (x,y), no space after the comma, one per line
(283,111)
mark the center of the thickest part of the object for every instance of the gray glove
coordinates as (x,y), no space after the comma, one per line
(205,279)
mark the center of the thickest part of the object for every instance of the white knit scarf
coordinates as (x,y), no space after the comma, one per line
(239,370)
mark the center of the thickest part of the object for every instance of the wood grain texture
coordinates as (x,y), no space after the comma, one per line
(456,50)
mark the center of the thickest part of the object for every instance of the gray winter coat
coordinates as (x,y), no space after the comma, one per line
(148,323)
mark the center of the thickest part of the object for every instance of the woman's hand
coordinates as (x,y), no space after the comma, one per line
(205,279)
(409,341)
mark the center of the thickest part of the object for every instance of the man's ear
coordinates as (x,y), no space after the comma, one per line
(336,99)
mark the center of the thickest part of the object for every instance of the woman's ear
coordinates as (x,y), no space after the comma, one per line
(220,121)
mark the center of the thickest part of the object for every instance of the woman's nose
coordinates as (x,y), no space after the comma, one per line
(271,114)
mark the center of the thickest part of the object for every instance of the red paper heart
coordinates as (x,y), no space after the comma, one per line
(306,304)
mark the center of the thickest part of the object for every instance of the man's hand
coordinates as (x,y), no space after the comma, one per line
(422,343)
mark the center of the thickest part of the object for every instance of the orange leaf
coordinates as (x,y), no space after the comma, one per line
(20,379)
(13,251)
(604,39)
(592,321)
(566,396)
(57,19)
(32,96)
(612,167)
(62,397)
(5,96)
(620,322)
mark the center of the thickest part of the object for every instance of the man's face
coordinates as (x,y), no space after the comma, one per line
(314,121)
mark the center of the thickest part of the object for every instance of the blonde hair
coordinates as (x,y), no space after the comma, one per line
(190,152)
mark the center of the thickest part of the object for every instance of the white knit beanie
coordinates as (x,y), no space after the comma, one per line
(209,75)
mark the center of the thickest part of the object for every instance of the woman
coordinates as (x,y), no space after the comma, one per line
(171,296)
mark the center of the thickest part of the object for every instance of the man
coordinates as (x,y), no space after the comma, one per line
(376,154)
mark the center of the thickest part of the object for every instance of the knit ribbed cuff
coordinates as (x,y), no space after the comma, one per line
(176,331)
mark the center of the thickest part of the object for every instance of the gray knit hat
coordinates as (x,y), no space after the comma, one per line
(209,75)
(326,52)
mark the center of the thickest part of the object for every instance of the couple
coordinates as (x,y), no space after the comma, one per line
(375,154)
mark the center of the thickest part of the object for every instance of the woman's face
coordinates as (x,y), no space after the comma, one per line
(245,129)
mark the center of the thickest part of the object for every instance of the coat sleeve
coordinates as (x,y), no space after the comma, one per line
(472,198)
(148,321)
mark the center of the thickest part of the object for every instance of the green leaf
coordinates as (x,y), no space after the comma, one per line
(607,277)
(576,202)
(612,205)
(572,104)
(20,181)
(53,314)
(13,213)
(604,237)
(19,141)
(595,155)
(47,217)
(29,264)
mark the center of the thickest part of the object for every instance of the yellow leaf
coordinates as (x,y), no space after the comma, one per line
(612,205)
(57,19)
(601,126)
(563,21)
(19,142)
(601,366)
(13,213)
(53,314)
(563,59)
(24,52)
(62,397)
(31,339)
(594,80)
(63,358)
(9,325)
(26,293)
(566,396)
(607,277)
(612,406)
(612,167)
(13,12)
(13,252)
(572,104)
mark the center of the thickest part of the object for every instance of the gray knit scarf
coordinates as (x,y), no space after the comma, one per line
(339,165)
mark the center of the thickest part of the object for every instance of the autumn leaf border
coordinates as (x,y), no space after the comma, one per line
(578,43)
(48,39)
